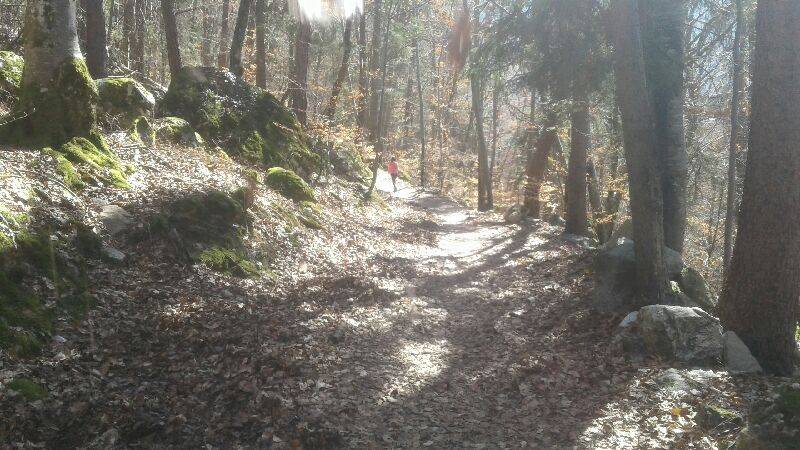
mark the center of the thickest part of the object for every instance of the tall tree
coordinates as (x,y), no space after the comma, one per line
(224,38)
(733,148)
(171,33)
(261,44)
(484,175)
(575,189)
(373,117)
(96,50)
(536,166)
(347,45)
(299,82)
(422,125)
(638,120)
(239,32)
(663,28)
(128,27)
(760,296)
(139,33)
(205,45)
(363,76)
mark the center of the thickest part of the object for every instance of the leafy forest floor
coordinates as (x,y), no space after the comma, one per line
(405,322)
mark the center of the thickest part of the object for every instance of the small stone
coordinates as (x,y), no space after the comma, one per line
(115,219)
(738,359)
(113,255)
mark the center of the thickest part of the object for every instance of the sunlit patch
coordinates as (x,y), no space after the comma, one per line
(321,10)
(424,361)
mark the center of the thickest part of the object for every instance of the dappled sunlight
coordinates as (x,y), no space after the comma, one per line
(423,362)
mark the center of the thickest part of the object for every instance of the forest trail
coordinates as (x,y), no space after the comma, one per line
(476,339)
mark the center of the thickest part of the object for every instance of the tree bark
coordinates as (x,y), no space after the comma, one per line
(224,39)
(205,45)
(663,27)
(536,166)
(484,177)
(575,191)
(422,126)
(299,81)
(261,44)
(137,46)
(96,50)
(733,149)
(128,20)
(760,296)
(239,32)
(347,46)
(363,83)
(646,202)
(374,63)
(171,32)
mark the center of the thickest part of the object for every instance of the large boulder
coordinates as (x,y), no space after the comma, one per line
(124,99)
(692,283)
(11,66)
(676,333)
(177,131)
(246,121)
(615,276)
(289,185)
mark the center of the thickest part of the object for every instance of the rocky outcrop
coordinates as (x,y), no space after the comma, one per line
(177,131)
(122,100)
(673,333)
(11,66)
(245,121)
(615,280)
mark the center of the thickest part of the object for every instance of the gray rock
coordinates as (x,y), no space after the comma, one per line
(712,417)
(581,241)
(696,288)
(115,219)
(123,99)
(514,215)
(627,336)
(688,335)
(737,356)
(615,276)
(113,255)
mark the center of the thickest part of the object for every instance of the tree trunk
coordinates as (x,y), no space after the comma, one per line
(128,25)
(374,64)
(58,96)
(733,149)
(422,126)
(580,141)
(760,297)
(639,135)
(171,32)
(347,46)
(363,84)
(224,39)
(484,178)
(663,27)
(379,142)
(537,166)
(205,45)
(137,46)
(261,44)
(495,114)
(96,50)
(239,32)
(299,81)
(408,110)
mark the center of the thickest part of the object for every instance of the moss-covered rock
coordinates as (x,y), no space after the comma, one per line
(348,163)
(289,184)
(774,422)
(244,120)
(11,66)
(143,131)
(51,115)
(177,131)
(122,100)
(310,215)
(229,261)
(101,163)
(29,389)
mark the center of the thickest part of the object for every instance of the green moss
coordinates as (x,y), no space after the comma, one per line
(310,215)
(51,115)
(245,121)
(177,131)
(228,261)
(28,389)
(124,99)
(11,67)
(67,171)
(289,184)
(142,131)
(103,163)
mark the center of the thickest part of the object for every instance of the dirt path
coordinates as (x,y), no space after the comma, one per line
(476,337)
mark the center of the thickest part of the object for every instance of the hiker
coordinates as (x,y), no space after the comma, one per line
(394,171)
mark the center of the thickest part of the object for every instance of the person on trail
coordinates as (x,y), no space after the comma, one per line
(394,171)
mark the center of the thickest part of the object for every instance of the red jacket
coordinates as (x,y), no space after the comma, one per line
(393,168)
